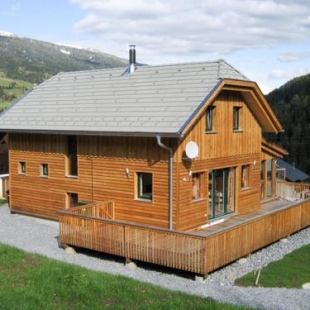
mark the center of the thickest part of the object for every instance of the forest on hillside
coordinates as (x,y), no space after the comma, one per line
(291,103)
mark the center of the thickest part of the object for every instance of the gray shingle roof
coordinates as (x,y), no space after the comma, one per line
(292,174)
(152,100)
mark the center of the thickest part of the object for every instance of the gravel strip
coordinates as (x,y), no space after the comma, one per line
(40,236)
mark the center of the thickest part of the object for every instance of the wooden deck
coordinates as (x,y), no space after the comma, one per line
(267,208)
(200,251)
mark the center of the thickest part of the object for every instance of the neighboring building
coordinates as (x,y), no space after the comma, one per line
(174,146)
(290,173)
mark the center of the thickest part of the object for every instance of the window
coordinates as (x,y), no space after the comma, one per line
(44,170)
(72,156)
(72,200)
(245,176)
(236,118)
(145,185)
(210,118)
(197,186)
(22,167)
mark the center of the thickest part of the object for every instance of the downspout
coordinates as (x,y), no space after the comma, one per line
(170,180)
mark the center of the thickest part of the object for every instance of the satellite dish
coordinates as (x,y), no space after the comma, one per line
(191,150)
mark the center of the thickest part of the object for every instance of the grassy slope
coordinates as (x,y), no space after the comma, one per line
(20,87)
(291,272)
(34,282)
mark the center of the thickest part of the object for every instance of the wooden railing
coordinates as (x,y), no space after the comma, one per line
(293,191)
(189,251)
(238,241)
(97,209)
(84,228)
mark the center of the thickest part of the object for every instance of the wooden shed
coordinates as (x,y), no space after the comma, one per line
(175,148)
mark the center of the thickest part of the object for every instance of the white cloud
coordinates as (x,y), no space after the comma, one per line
(294,56)
(167,31)
(196,26)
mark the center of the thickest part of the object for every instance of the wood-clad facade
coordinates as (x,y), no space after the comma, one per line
(108,168)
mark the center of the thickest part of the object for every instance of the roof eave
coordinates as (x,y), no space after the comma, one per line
(95,133)
(273,149)
(193,117)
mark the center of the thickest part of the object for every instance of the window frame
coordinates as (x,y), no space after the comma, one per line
(72,197)
(22,167)
(44,170)
(236,118)
(141,178)
(210,119)
(72,156)
(201,188)
(245,176)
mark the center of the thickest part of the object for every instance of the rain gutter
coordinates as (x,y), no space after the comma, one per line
(170,179)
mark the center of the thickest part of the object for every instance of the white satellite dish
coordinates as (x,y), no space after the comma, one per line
(191,150)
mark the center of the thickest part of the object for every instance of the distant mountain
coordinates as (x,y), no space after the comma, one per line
(291,103)
(24,62)
(34,61)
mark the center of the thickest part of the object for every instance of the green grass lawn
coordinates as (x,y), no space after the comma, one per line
(11,90)
(290,272)
(29,281)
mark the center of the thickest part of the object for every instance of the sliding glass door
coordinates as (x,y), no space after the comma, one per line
(221,192)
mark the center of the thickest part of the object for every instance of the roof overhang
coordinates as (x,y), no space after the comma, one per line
(256,102)
(96,133)
(273,149)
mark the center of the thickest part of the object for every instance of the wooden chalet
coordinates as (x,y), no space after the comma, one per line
(164,164)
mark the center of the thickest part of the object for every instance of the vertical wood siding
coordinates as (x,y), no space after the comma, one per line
(222,148)
(102,162)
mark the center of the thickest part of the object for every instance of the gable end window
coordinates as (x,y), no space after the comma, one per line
(145,186)
(236,118)
(210,119)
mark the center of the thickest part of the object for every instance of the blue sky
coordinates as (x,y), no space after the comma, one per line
(267,40)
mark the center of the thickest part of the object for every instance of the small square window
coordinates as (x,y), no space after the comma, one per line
(145,185)
(236,118)
(44,170)
(245,176)
(22,167)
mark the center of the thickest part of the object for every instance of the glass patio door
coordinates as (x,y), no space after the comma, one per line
(221,192)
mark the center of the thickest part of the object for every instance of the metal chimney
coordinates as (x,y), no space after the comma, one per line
(132,58)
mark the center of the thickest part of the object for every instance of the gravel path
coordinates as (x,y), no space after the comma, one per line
(40,236)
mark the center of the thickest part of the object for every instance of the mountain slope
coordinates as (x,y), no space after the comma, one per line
(24,62)
(34,61)
(291,103)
